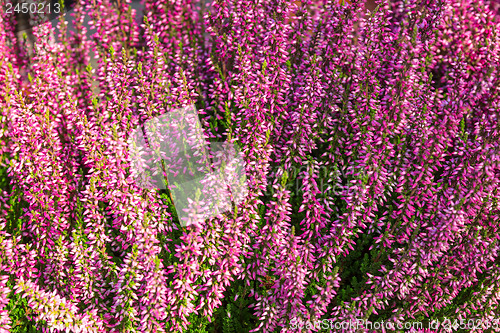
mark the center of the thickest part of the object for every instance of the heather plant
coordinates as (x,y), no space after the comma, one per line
(370,142)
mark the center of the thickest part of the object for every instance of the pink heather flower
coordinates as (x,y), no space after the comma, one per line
(366,129)
(58,312)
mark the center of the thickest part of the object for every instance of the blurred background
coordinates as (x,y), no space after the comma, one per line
(25,21)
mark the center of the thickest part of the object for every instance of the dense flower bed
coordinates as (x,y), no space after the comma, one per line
(371,149)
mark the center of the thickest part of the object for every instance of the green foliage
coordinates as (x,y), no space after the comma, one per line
(234,316)
(15,202)
(354,268)
(19,313)
(198,324)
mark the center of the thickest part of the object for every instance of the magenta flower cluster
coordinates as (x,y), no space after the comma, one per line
(399,107)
